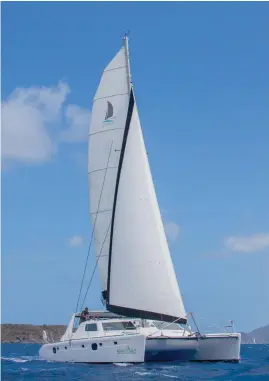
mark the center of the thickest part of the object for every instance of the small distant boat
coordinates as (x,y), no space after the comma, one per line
(145,318)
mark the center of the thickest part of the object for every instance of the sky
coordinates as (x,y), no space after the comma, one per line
(200,72)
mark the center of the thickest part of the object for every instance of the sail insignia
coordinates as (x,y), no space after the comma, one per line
(109,113)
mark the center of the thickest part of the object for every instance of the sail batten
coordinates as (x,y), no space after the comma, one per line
(102,169)
(110,96)
(102,132)
(116,68)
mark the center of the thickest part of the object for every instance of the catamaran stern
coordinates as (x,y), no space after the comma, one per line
(210,347)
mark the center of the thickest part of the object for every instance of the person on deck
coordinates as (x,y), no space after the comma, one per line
(84,315)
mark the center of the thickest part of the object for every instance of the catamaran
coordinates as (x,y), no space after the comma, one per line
(145,318)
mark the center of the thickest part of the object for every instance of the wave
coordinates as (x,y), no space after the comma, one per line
(21,359)
(169,375)
(14,359)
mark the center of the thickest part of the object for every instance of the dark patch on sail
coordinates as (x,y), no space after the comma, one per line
(130,312)
(104,295)
(124,140)
(109,112)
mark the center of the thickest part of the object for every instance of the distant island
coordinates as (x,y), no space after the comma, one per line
(258,336)
(28,333)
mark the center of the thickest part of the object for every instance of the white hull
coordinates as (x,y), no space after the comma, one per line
(97,350)
(136,348)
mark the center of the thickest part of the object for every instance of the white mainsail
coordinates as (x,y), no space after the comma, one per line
(106,132)
(133,255)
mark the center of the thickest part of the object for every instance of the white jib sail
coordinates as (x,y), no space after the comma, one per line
(142,275)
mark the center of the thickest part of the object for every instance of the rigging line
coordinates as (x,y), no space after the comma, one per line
(89,285)
(99,202)
(163,327)
(211,324)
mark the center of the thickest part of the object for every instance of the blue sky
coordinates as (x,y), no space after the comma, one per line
(200,72)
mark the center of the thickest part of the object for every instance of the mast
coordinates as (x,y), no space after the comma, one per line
(126,46)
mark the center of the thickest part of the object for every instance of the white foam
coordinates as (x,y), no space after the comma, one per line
(122,363)
(169,375)
(30,358)
(14,359)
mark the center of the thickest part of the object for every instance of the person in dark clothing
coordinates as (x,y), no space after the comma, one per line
(84,315)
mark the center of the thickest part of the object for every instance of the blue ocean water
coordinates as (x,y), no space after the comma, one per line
(21,362)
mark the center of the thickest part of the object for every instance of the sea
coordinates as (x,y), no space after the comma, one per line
(21,362)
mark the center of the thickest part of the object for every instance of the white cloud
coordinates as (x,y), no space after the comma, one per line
(248,244)
(31,123)
(172,231)
(78,122)
(76,240)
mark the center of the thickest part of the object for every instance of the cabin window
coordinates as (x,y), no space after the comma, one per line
(54,350)
(91,327)
(118,326)
(128,325)
(94,346)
